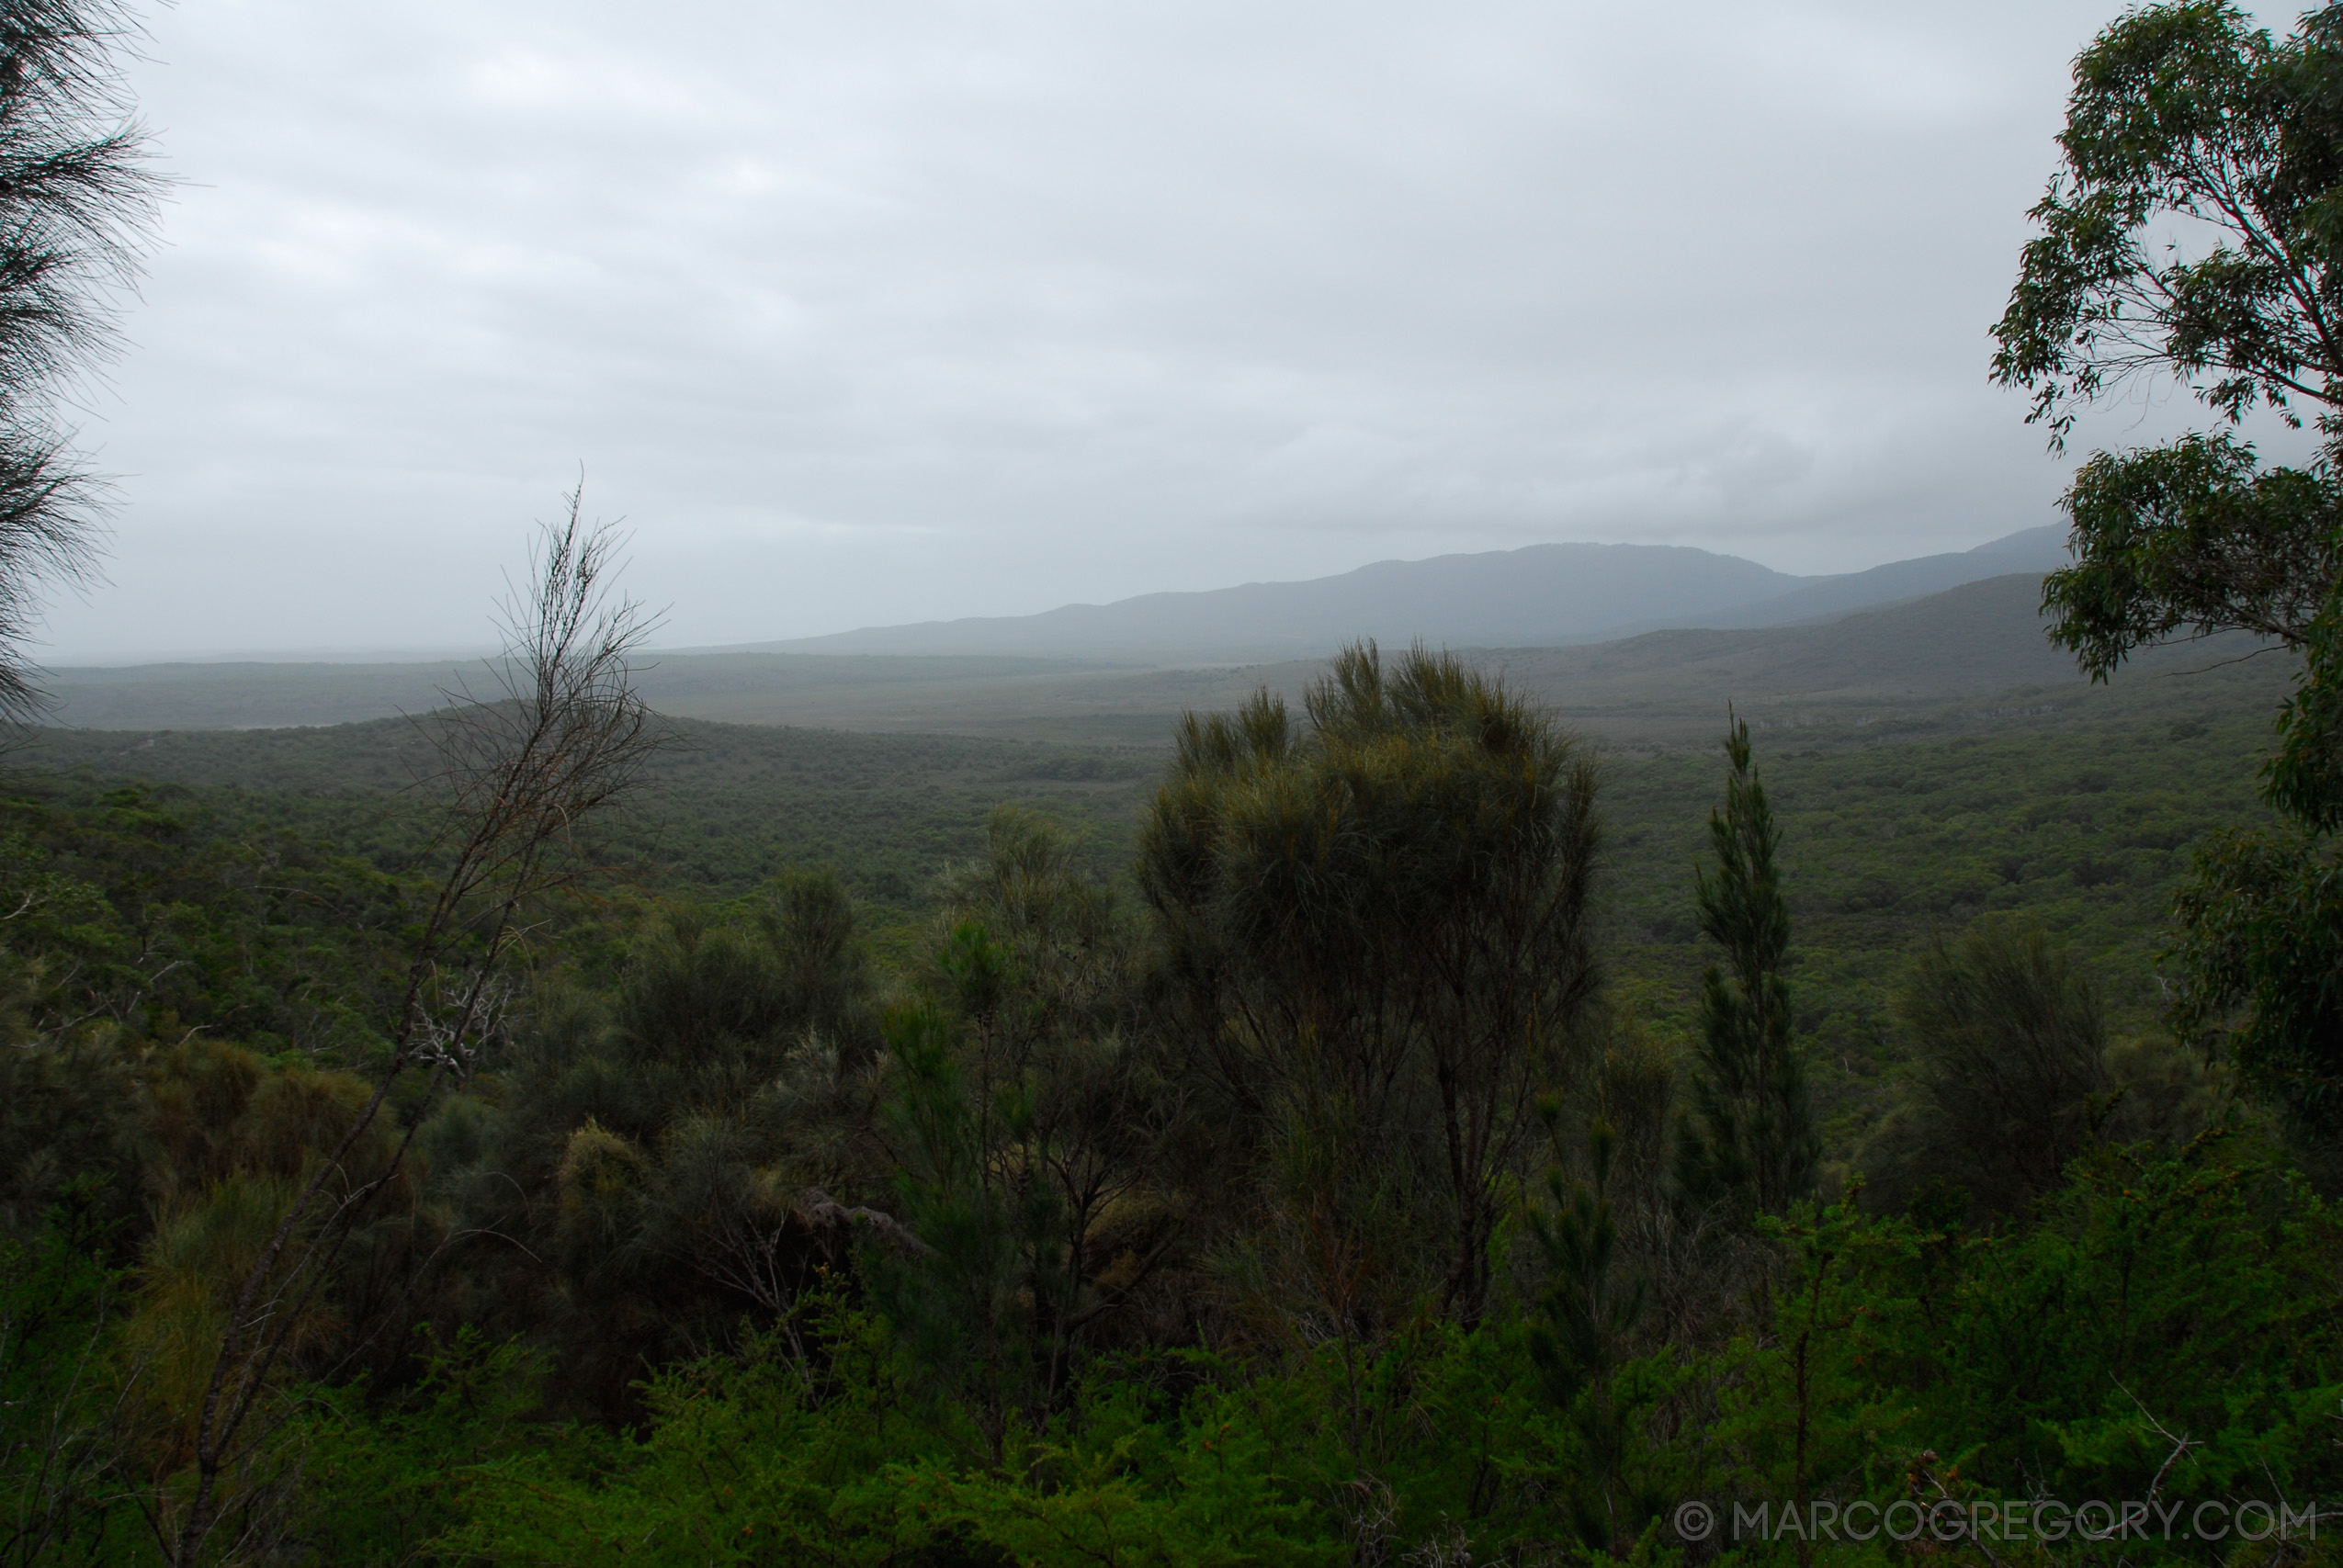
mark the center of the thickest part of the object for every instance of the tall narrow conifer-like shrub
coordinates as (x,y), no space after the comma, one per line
(1750,1140)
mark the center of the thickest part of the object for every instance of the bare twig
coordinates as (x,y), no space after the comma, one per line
(2181,1445)
(563,735)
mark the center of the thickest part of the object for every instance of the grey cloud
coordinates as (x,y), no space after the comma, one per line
(906,309)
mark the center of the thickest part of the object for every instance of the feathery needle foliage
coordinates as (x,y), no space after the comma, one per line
(78,194)
(1382,927)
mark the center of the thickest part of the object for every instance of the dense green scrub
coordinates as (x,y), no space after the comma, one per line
(2085,827)
(919,1215)
(2164,1336)
(2088,830)
(726,808)
(176,909)
(2087,833)
(2154,1303)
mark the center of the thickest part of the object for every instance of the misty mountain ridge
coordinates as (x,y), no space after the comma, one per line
(1965,661)
(1539,595)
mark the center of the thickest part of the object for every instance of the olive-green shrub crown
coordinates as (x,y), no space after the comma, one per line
(1381,922)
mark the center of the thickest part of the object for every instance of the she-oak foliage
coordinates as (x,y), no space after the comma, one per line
(2196,230)
(77,197)
(1382,927)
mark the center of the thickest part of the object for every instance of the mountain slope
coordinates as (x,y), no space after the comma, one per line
(2034,551)
(1975,654)
(1542,595)
(1972,640)
(1543,592)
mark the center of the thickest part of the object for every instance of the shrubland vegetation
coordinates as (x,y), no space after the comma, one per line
(1392,1132)
(1089,1218)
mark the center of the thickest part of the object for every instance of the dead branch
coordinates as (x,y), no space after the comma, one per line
(561,735)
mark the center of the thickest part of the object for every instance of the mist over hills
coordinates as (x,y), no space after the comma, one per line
(1540,596)
(1978,639)
(2033,551)
(1156,651)
(1971,655)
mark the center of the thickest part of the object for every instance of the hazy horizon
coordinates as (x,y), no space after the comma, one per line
(664,642)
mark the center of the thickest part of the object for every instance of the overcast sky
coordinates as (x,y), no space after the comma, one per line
(879,311)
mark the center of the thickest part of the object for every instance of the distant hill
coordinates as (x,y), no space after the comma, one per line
(2033,552)
(270,695)
(1972,640)
(1541,595)
(1971,655)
